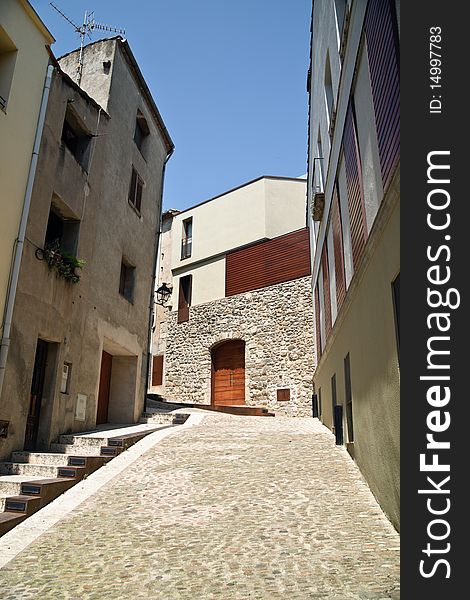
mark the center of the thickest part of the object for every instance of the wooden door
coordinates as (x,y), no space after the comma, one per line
(103,393)
(228,373)
(37,388)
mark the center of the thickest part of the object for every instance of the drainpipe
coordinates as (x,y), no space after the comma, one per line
(152,292)
(18,251)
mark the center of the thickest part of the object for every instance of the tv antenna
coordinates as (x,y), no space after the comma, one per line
(84,30)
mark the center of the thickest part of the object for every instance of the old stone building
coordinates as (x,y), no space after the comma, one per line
(354,216)
(239,327)
(80,334)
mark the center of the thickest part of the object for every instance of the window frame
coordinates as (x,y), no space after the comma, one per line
(135,194)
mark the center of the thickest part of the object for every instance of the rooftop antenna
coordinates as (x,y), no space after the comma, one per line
(86,29)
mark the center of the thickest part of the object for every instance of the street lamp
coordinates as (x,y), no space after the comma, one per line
(163,293)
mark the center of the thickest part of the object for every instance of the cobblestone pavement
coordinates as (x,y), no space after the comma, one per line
(233,508)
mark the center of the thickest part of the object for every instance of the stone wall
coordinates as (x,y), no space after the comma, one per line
(276,324)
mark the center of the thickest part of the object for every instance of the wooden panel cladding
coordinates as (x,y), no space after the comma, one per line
(157,370)
(228,373)
(266,263)
(381,31)
(317,321)
(283,395)
(357,217)
(338,248)
(326,290)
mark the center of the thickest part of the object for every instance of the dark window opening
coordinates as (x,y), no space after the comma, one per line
(127,280)
(349,411)
(76,138)
(184,298)
(396,309)
(8,54)
(340,10)
(329,94)
(61,233)
(319,403)
(141,132)
(135,190)
(333,395)
(187,241)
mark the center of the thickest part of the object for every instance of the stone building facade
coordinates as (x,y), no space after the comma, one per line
(276,324)
(78,355)
(239,327)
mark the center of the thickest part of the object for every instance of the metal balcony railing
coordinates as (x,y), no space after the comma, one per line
(186,247)
(3,103)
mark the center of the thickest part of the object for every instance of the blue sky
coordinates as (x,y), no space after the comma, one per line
(229,79)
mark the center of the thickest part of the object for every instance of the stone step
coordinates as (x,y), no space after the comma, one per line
(20,504)
(59,459)
(47,489)
(50,471)
(8,520)
(11,484)
(164,418)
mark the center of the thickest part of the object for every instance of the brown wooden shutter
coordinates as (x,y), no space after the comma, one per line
(317,322)
(338,248)
(326,290)
(381,31)
(157,370)
(357,217)
(184,298)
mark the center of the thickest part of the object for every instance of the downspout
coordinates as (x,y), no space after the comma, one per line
(154,278)
(18,252)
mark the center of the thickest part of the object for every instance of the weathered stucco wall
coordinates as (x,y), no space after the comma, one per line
(81,320)
(276,324)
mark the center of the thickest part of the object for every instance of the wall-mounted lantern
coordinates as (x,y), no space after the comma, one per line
(163,293)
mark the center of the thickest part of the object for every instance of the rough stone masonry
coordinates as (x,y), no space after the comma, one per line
(276,324)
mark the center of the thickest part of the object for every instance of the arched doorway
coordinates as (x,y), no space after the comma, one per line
(228,373)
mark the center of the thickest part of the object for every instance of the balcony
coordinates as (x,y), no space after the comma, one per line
(186,247)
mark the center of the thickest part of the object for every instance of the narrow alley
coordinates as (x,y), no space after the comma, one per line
(230,507)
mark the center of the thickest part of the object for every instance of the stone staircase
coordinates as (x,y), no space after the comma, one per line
(33,479)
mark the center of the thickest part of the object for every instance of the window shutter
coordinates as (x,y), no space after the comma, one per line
(381,31)
(326,290)
(157,370)
(357,217)
(338,248)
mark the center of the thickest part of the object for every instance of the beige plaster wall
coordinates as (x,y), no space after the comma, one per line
(18,123)
(367,332)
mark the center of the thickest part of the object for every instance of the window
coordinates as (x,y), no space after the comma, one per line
(8,54)
(349,411)
(396,308)
(329,95)
(62,232)
(319,403)
(76,138)
(187,241)
(184,298)
(135,190)
(141,132)
(65,380)
(340,11)
(127,280)
(334,401)
(157,370)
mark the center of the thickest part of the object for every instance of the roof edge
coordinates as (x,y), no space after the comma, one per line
(242,185)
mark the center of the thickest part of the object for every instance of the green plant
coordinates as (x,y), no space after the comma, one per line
(64,263)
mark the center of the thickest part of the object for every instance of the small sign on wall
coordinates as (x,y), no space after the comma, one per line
(80,407)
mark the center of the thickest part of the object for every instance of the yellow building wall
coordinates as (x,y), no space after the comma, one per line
(18,123)
(367,332)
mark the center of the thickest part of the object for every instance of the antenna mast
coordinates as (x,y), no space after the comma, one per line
(86,29)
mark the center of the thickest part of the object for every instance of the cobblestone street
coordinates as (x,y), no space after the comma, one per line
(232,508)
